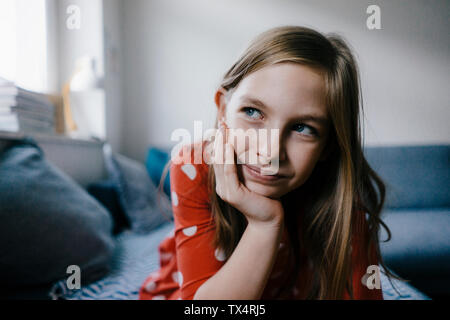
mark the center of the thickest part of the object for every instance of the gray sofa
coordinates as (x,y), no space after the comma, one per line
(417,212)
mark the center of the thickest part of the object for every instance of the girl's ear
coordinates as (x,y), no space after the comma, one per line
(221,103)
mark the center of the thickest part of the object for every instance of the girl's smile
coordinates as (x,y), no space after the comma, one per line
(288,97)
(255,173)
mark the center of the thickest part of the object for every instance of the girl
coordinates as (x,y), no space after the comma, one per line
(308,230)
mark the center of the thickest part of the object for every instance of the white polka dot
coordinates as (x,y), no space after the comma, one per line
(281,246)
(174,199)
(159,297)
(295,291)
(166,256)
(149,287)
(190,231)
(220,255)
(177,276)
(189,170)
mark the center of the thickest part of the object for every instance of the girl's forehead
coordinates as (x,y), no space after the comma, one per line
(283,86)
(288,77)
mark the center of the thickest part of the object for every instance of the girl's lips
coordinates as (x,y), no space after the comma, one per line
(255,172)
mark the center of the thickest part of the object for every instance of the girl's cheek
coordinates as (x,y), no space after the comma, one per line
(243,146)
(237,136)
(245,138)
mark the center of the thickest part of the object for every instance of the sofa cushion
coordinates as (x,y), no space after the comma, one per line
(107,193)
(415,176)
(419,249)
(145,207)
(47,222)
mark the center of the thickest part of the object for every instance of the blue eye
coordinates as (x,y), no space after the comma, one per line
(305,129)
(252,113)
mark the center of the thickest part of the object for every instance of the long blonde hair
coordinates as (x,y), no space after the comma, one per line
(340,187)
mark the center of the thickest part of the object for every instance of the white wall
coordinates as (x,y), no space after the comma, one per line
(113,53)
(75,43)
(175,53)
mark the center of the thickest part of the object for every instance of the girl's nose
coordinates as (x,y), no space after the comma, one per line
(267,159)
(270,152)
(263,159)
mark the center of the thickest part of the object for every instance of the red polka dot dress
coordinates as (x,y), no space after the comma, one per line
(188,257)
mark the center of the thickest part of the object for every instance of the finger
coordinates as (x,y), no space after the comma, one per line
(220,178)
(230,169)
(219,147)
(218,163)
(223,126)
(208,153)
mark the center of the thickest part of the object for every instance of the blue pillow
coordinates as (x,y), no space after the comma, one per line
(47,222)
(157,158)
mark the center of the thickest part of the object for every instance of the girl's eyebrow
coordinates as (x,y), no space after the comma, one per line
(322,120)
(254,101)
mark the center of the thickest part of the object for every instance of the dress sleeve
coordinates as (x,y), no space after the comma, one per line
(361,261)
(197,259)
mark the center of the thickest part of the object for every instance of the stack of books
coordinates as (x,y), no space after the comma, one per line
(25,111)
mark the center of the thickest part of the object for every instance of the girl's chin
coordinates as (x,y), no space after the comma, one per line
(264,190)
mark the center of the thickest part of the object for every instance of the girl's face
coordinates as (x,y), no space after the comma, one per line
(291,98)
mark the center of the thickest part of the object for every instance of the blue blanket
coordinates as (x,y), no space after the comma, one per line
(137,256)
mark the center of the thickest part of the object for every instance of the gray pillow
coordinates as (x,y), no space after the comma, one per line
(145,207)
(47,222)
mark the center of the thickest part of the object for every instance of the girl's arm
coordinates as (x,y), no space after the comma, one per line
(245,274)
(203,272)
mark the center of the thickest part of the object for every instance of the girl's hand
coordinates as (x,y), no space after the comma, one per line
(258,209)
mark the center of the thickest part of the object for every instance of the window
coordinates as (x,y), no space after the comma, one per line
(23,47)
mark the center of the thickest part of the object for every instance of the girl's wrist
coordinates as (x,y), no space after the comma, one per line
(275,224)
